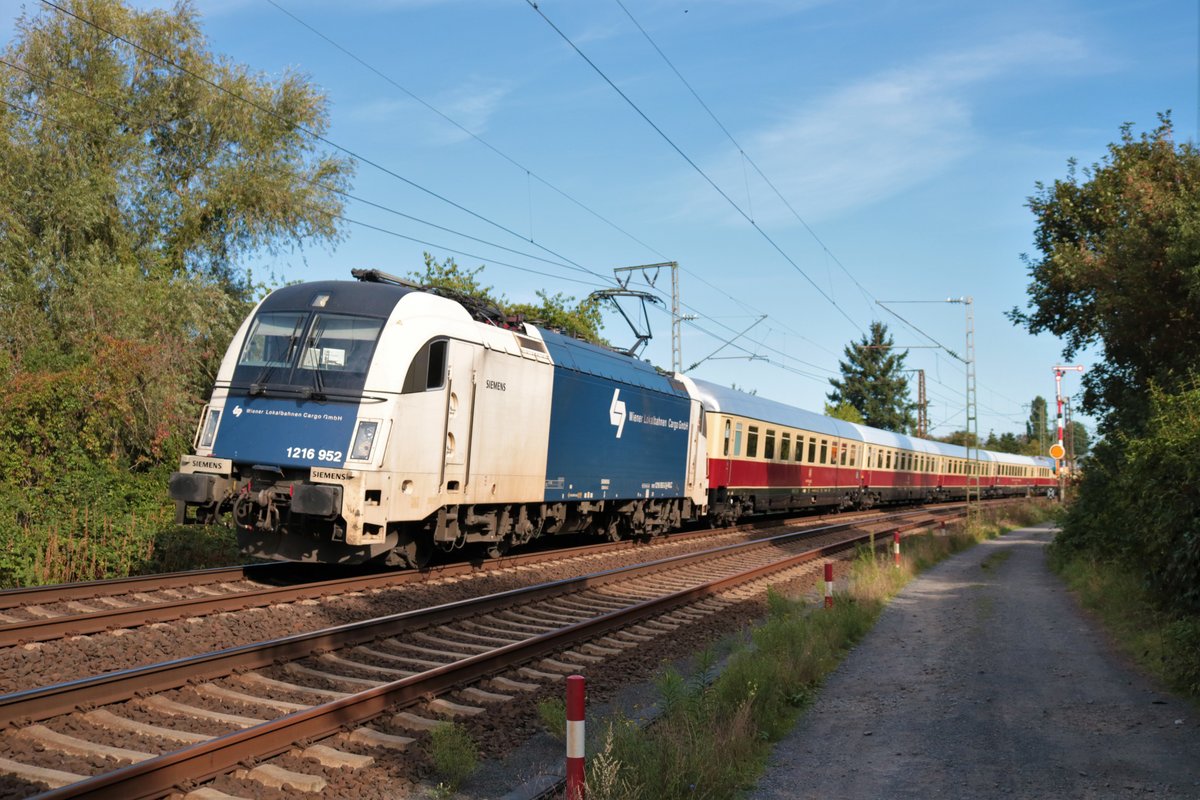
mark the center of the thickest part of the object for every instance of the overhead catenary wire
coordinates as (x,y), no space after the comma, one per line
(746,159)
(696,167)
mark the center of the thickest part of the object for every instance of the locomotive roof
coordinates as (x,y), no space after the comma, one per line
(345,297)
(581,356)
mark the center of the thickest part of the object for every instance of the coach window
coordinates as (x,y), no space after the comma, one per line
(845,447)
(824,451)
(887,462)
(785,446)
(769,445)
(833,452)
(728,435)
(812,450)
(752,442)
(737,440)
(853,452)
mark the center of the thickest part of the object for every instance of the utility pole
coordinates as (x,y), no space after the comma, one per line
(1057,451)
(651,272)
(922,404)
(973,463)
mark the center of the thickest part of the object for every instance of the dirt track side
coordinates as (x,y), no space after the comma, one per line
(984,680)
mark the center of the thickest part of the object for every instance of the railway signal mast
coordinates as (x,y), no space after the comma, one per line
(1057,451)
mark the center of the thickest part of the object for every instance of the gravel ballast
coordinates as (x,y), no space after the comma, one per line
(983,679)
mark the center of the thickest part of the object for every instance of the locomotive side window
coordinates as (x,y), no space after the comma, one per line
(785,446)
(752,442)
(769,445)
(728,435)
(428,368)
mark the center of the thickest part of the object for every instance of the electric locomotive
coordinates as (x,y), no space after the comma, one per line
(371,419)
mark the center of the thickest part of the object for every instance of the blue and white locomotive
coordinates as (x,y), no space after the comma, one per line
(360,420)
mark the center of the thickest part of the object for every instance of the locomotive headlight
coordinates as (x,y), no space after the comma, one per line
(364,440)
(209,431)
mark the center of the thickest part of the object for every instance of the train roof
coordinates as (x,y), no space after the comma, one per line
(715,397)
(346,297)
(719,398)
(581,356)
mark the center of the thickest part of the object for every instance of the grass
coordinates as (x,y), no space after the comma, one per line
(454,756)
(715,733)
(1165,645)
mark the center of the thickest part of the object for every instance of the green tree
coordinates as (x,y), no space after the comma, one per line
(132,193)
(1118,274)
(559,311)
(873,382)
(843,411)
(1119,270)
(1037,427)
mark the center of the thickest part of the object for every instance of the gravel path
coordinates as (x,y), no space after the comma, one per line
(984,680)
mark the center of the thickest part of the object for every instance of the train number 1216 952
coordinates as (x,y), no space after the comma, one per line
(310,453)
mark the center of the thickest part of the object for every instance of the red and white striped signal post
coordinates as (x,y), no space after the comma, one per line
(575,706)
(896,548)
(829,584)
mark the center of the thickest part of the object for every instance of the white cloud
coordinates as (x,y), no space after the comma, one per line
(471,105)
(879,136)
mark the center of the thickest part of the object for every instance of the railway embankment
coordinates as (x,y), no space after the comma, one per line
(984,679)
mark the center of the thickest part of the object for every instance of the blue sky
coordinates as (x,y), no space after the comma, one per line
(904,136)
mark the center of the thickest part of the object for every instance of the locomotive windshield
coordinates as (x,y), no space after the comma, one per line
(313,352)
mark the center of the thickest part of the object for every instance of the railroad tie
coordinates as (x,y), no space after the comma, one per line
(600,651)
(329,659)
(102,718)
(513,686)
(175,709)
(53,740)
(41,612)
(308,672)
(258,681)
(333,758)
(5,619)
(207,793)
(113,602)
(420,664)
(538,675)
(449,709)
(54,778)
(368,737)
(80,608)
(560,666)
(415,722)
(278,777)
(212,690)
(477,695)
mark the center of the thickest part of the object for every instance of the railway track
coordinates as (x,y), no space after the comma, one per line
(222,714)
(46,613)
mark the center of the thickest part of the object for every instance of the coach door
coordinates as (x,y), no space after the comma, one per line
(461,370)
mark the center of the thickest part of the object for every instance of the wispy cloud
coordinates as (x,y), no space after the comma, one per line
(880,135)
(470,104)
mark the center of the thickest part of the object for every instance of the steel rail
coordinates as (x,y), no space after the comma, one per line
(49,701)
(158,776)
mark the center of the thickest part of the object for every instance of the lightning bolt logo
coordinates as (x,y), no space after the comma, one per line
(616,412)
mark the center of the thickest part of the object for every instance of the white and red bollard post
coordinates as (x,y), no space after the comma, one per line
(829,584)
(896,548)
(575,761)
